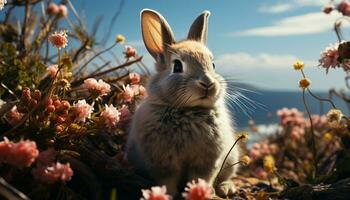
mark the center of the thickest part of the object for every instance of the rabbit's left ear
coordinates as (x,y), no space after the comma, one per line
(199,28)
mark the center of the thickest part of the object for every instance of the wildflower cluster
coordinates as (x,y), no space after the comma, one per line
(21,154)
(100,88)
(343,7)
(294,120)
(133,90)
(194,190)
(71,103)
(259,150)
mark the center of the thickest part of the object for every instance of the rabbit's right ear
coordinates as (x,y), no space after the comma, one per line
(156,32)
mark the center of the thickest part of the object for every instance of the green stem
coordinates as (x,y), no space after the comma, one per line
(313,142)
(223,163)
(321,99)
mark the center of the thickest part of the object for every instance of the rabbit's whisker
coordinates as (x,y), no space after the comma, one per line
(245,104)
(257,104)
(246,108)
(238,94)
(237,103)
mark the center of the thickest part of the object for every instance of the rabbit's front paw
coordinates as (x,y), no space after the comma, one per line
(225,189)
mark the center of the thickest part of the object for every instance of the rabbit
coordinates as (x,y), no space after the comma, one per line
(183,130)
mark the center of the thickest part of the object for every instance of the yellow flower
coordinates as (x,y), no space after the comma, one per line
(243,136)
(269,163)
(245,160)
(298,65)
(327,137)
(304,83)
(120,38)
(334,117)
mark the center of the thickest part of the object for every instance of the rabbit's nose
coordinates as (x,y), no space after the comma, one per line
(206,85)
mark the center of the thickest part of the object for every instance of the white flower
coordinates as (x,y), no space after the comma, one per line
(2,4)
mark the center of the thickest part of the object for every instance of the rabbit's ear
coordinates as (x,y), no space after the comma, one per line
(156,32)
(199,28)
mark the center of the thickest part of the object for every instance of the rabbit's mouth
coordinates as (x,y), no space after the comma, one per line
(205,96)
(208,93)
(204,101)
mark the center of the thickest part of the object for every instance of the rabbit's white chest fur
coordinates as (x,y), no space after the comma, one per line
(188,142)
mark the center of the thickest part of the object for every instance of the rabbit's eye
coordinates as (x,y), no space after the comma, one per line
(177,66)
(213,65)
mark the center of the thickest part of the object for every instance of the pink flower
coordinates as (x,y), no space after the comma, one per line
(54,172)
(13,116)
(256,146)
(46,157)
(62,10)
(329,57)
(124,113)
(344,8)
(139,90)
(293,120)
(155,193)
(197,191)
(5,150)
(129,51)
(265,149)
(52,70)
(128,93)
(261,149)
(59,39)
(100,87)
(20,154)
(142,91)
(290,117)
(82,110)
(110,115)
(90,83)
(255,154)
(261,173)
(24,153)
(134,78)
(52,9)
(327,9)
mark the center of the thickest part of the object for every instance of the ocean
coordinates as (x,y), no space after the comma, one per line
(271,101)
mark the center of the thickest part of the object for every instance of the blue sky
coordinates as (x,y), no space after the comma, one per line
(255,41)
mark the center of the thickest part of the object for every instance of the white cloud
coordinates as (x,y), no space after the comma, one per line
(280,7)
(249,62)
(277,8)
(310,23)
(275,71)
(311,2)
